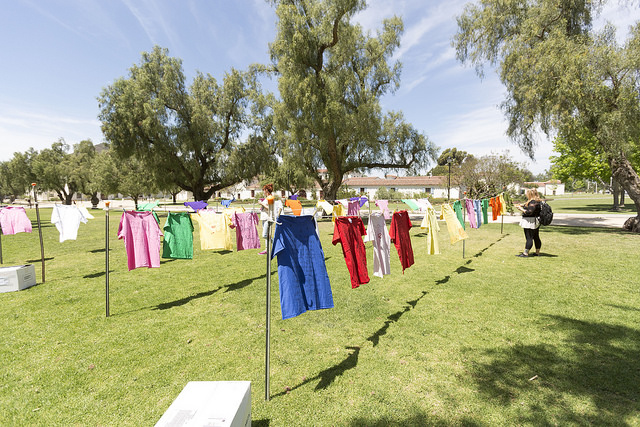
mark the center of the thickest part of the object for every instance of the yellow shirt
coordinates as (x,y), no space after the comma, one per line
(503,205)
(326,206)
(338,210)
(215,232)
(456,232)
(430,223)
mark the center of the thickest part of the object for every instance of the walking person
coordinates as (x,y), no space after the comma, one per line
(267,189)
(530,223)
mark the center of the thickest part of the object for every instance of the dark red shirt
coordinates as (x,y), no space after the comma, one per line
(399,233)
(349,230)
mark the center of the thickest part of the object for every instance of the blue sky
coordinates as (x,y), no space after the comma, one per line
(57,55)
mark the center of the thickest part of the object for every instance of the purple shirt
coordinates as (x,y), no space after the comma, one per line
(246,232)
(141,234)
(354,208)
(14,220)
(471,212)
(196,206)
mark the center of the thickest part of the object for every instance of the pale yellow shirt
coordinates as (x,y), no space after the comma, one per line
(215,232)
(456,232)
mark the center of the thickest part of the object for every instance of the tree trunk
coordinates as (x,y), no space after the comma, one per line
(174,197)
(628,178)
(615,190)
(94,200)
(331,188)
(621,194)
(67,198)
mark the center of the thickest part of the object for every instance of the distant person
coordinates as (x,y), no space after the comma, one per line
(529,222)
(267,189)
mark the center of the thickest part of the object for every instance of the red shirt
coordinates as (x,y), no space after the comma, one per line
(399,233)
(349,230)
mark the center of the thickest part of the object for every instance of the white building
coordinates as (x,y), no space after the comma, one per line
(552,187)
(435,186)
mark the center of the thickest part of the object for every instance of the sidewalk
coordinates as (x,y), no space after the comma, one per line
(562,219)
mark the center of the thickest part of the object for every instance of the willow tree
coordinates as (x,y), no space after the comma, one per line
(331,76)
(202,138)
(561,75)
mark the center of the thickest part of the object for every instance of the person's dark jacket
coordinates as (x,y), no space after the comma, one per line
(532,209)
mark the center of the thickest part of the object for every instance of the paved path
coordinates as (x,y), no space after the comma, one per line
(573,220)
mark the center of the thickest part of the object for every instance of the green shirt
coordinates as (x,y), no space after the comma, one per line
(178,236)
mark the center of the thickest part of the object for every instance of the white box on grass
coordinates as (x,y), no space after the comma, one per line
(211,404)
(17,278)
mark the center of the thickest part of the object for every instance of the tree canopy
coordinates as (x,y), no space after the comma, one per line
(16,175)
(64,171)
(203,137)
(560,74)
(331,76)
(492,174)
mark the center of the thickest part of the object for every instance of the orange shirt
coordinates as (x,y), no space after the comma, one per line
(295,206)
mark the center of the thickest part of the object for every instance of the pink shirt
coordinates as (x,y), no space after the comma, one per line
(383,205)
(141,234)
(246,232)
(14,220)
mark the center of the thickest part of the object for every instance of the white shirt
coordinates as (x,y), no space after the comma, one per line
(67,220)
(378,234)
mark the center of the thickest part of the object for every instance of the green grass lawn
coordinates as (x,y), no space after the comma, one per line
(488,339)
(590,204)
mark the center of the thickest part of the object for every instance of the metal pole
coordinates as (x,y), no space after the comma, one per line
(106,256)
(449,185)
(464,218)
(35,198)
(267,352)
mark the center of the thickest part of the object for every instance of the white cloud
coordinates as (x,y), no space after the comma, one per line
(23,127)
(153,21)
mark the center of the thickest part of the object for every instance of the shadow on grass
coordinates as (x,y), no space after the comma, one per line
(94,275)
(31,261)
(463,269)
(624,307)
(576,230)
(393,318)
(231,287)
(418,419)
(97,251)
(260,423)
(596,366)
(329,375)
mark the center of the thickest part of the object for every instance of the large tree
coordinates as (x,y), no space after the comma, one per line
(585,160)
(128,176)
(331,75)
(16,175)
(64,171)
(492,174)
(203,138)
(560,74)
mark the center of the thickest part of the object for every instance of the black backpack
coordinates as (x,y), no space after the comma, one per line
(546,214)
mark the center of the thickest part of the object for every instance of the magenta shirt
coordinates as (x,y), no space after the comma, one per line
(14,220)
(246,232)
(141,234)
